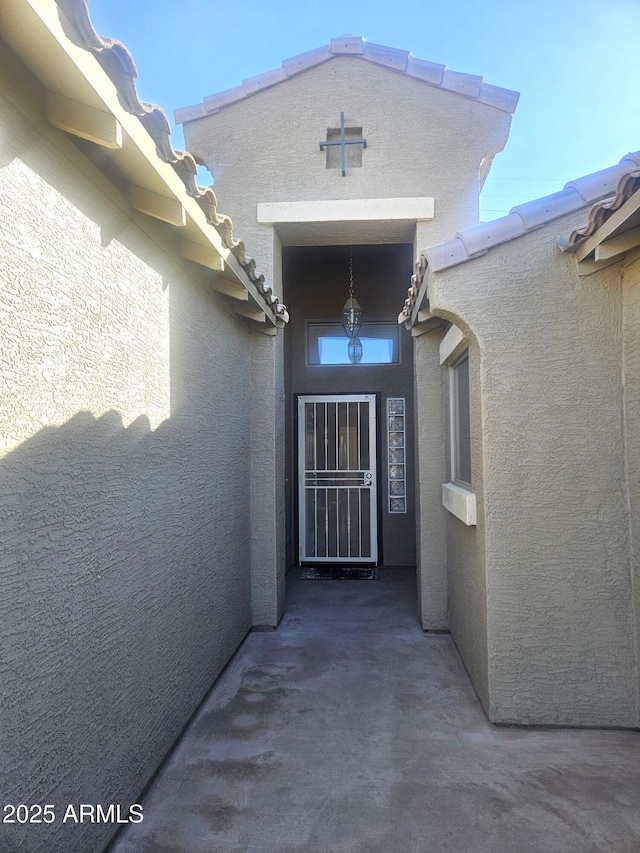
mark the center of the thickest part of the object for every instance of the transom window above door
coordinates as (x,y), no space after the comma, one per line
(327,344)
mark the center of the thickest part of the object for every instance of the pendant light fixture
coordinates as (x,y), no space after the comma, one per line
(352,318)
(355,350)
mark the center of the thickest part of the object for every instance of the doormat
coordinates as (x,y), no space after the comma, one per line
(339,573)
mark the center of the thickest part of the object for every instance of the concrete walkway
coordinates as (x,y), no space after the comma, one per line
(349,730)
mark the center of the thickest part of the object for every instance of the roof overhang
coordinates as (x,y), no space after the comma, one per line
(611,234)
(618,237)
(82,100)
(400,61)
(344,221)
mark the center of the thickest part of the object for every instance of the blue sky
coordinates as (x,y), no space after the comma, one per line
(576,65)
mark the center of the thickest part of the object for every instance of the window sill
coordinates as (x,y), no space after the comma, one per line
(460,502)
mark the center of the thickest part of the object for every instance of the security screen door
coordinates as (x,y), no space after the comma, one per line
(337,479)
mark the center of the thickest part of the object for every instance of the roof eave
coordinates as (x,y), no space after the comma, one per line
(612,233)
(83,100)
(613,228)
(400,61)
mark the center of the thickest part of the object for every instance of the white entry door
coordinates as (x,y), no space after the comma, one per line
(337,479)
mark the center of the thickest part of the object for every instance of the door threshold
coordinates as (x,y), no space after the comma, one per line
(340,573)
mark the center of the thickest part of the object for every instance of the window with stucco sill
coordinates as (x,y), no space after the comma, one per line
(457,495)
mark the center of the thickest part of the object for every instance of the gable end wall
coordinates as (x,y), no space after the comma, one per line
(421,141)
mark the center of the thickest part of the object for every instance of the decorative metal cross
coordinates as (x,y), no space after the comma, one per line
(343,142)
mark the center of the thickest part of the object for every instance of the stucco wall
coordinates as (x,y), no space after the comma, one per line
(466,545)
(421,141)
(268,565)
(430,473)
(631,368)
(124,483)
(559,620)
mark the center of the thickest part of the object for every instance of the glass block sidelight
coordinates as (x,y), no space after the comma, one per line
(396,461)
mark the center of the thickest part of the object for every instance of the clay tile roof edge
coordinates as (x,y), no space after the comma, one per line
(628,184)
(401,61)
(476,241)
(119,66)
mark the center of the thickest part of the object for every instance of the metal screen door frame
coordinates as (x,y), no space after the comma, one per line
(337,479)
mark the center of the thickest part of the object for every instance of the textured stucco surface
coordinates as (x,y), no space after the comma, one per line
(124,484)
(267,481)
(430,474)
(631,373)
(466,545)
(266,148)
(548,384)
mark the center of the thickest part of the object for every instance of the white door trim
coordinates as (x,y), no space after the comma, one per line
(337,487)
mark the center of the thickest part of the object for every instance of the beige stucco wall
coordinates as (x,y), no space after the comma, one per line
(124,482)
(430,473)
(421,141)
(466,545)
(631,371)
(267,455)
(560,632)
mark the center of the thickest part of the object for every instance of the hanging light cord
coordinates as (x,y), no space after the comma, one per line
(350,272)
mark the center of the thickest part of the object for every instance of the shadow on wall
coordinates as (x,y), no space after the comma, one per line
(124,569)
(124,553)
(125,590)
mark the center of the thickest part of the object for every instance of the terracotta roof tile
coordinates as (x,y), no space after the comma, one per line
(212,103)
(421,69)
(481,237)
(347,45)
(612,187)
(467,85)
(118,64)
(263,81)
(628,185)
(502,99)
(532,214)
(307,60)
(392,57)
(191,113)
(463,84)
(448,254)
(541,210)
(603,183)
